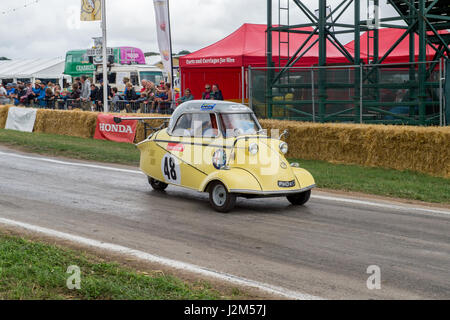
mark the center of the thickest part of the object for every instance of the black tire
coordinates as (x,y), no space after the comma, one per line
(157,185)
(299,199)
(219,197)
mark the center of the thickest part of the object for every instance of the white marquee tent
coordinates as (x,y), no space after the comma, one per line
(33,69)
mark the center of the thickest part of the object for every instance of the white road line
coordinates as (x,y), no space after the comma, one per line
(273,290)
(314,196)
(75,164)
(379,204)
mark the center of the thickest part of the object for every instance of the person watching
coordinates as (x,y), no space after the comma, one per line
(3,95)
(93,96)
(49,98)
(41,96)
(187,96)
(85,88)
(165,103)
(207,94)
(21,94)
(216,93)
(130,94)
(100,95)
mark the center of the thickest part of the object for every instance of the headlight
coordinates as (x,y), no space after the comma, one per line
(253,148)
(283,147)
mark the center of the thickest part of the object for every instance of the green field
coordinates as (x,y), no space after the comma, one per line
(71,147)
(379,181)
(35,270)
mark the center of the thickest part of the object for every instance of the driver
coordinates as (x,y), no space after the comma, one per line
(207,129)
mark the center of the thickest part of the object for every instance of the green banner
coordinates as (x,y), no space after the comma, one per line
(77,63)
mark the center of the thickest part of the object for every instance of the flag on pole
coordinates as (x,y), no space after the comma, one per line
(163,33)
(91,10)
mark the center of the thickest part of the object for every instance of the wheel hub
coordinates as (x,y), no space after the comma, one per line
(219,195)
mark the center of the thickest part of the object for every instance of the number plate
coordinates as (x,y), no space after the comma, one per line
(286,184)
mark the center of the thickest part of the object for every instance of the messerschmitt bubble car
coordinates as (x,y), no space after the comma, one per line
(219,147)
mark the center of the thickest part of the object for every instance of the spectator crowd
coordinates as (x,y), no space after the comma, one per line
(85,95)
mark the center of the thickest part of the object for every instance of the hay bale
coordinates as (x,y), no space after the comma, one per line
(78,123)
(70,123)
(422,149)
(4,115)
(140,132)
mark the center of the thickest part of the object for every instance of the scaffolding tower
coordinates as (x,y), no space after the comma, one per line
(428,19)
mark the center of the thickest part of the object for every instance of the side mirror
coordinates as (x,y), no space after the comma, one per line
(284,134)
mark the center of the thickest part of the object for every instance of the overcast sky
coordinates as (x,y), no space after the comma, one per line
(49,28)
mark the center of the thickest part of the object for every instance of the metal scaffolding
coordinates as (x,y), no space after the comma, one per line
(364,103)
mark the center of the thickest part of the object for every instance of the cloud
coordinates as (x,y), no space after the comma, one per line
(50,28)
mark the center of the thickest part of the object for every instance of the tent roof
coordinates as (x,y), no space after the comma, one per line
(388,37)
(32,68)
(247,46)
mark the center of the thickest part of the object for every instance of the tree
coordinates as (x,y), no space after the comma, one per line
(151,54)
(183,52)
(4,58)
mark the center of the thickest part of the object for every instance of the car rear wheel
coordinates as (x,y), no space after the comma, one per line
(157,185)
(299,199)
(220,199)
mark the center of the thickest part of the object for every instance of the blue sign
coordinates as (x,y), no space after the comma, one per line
(206,106)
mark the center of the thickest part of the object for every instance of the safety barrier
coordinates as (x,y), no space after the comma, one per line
(141,107)
(115,106)
(421,149)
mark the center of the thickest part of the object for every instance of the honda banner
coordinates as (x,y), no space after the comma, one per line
(163,33)
(108,129)
(21,119)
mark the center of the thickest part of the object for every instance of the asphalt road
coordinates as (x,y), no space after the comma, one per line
(321,249)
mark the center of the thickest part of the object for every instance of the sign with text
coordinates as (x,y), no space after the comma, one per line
(108,129)
(99,52)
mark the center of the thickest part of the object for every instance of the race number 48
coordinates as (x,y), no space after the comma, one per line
(170,167)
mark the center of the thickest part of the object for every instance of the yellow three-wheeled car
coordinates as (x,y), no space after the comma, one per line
(220,148)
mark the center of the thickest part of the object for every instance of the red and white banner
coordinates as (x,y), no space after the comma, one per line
(163,33)
(107,129)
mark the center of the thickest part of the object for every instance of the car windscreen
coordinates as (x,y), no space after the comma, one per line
(153,76)
(196,125)
(235,124)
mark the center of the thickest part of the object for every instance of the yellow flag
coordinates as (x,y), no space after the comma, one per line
(91,10)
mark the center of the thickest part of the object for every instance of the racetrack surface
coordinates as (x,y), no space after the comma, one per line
(321,249)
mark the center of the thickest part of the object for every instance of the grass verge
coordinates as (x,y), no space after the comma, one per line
(379,181)
(35,270)
(71,147)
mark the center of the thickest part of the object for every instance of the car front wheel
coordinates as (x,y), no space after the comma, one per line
(220,199)
(157,185)
(299,199)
